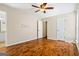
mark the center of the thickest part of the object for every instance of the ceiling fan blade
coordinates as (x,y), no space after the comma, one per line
(37,10)
(35,6)
(44,4)
(49,8)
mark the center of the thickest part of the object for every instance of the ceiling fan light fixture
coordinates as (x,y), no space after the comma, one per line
(42,9)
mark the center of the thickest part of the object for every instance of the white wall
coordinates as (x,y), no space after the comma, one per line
(21,26)
(77,26)
(69,26)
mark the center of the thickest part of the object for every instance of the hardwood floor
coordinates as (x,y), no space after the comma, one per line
(3,50)
(43,47)
(2,47)
(2,43)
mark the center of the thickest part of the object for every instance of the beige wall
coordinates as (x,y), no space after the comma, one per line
(21,26)
(69,26)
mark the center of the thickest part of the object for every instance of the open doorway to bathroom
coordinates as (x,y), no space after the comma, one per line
(2,28)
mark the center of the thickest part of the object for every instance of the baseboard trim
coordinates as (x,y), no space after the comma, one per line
(20,42)
(60,39)
(77,46)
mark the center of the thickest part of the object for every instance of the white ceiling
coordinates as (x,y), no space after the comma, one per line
(59,8)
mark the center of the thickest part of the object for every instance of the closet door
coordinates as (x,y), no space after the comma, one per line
(60,28)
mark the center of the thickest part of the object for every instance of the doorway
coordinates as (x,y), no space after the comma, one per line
(2,29)
(44,29)
(41,29)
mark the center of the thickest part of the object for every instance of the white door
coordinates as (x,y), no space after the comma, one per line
(40,29)
(60,28)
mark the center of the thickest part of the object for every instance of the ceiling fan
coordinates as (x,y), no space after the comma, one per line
(42,7)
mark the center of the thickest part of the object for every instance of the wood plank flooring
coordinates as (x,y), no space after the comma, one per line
(2,43)
(3,50)
(43,47)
